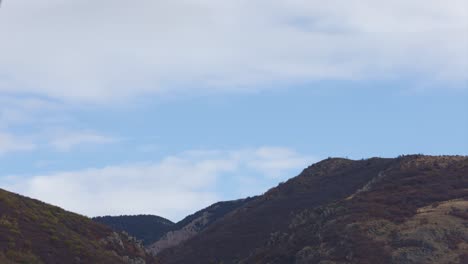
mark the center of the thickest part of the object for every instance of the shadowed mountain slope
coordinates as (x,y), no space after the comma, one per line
(411,209)
(34,232)
(195,223)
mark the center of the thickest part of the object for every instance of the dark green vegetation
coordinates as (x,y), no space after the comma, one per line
(412,209)
(147,228)
(34,232)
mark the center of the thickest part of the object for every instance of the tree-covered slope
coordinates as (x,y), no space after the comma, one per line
(148,228)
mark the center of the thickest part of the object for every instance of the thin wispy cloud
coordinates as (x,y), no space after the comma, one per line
(43,123)
(19,111)
(66,141)
(11,143)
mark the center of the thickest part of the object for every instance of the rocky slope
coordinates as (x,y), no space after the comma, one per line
(412,209)
(194,224)
(34,232)
(147,228)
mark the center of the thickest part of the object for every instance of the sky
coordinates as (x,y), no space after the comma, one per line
(111,107)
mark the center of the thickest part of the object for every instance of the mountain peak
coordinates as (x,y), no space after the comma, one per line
(375,210)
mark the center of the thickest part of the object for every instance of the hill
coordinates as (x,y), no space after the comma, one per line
(158,233)
(34,232)
(194,224)
(148,228)
(411,209)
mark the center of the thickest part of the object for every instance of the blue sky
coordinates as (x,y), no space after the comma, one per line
(111,107)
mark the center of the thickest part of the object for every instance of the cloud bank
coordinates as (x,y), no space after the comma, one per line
(172,187)
(100,50)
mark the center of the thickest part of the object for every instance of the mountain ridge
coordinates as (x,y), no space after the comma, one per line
(328,194)
(409,209)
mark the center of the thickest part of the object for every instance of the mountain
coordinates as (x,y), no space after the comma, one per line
(34,232)
(148,228)
(158,233)
(411,209)
(194,224)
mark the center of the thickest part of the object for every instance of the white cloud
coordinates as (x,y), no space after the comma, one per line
(172,187)
(96,50)
(67,141)
(11,143)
